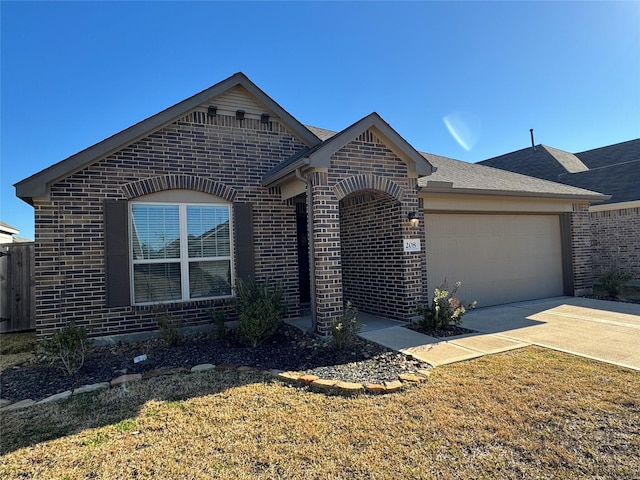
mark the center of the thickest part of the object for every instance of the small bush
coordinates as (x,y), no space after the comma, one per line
(345,331)
(614,277)
(260,310)
(169,328)
(68,346)
(218,318)
(446,308)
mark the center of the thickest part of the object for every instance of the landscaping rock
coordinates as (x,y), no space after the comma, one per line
(227,367)
(123,379)
(55,398)
(393,386)
(4,403)
(375,388)
(308,379)
(349,388)
(91,388)
(203,367)
(411,378)
(323,385)
(21,404)
(158,372)
(290,377)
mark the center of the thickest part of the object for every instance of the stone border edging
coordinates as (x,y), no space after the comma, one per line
(314,383)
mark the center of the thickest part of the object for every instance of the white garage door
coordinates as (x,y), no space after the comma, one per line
(498,258)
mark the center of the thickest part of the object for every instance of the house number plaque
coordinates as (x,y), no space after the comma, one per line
(411,244)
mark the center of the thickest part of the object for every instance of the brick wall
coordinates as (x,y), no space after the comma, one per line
(615,238)
(70,225)
(581,249)
(372,265)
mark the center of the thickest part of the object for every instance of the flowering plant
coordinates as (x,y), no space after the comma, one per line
(446,308)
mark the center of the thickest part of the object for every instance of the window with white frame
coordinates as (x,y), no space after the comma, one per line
(180,252)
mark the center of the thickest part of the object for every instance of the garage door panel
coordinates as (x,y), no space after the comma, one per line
(498,258)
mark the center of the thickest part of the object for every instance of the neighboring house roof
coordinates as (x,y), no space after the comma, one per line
(613,170)
(611,154)
(8,229)
(38,184)
(543,162)
(621,181)
(455,176)
(321,133)
(320,155)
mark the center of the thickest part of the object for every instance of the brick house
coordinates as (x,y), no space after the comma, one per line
(613,170)
(227,184)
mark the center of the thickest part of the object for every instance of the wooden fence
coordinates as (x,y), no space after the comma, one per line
(17,287)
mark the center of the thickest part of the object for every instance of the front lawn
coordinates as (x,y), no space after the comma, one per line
(528,413)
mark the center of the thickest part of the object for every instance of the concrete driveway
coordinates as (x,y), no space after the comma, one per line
(598,329)
(605,331)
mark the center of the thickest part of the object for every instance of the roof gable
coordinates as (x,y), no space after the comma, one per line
(542,162)
(319,156)
(235,90)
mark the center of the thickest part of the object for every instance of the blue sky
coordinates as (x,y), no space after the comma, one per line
(465,80)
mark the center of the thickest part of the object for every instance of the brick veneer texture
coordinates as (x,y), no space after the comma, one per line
(615,238)
(365,175)
(70,240)
(581,249)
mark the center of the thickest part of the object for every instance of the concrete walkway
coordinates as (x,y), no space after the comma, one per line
(605,331)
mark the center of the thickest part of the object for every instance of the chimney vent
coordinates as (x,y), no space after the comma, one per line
(533,145)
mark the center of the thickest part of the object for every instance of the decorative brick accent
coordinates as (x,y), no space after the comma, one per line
(182,182)
(615,237)
(358,183)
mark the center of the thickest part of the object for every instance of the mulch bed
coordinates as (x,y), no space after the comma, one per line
(289,349)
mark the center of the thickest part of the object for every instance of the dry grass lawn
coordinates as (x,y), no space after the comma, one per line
(16,348)
(529,413)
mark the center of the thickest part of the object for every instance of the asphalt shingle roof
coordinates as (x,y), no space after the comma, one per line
(472,176)
(621,181)
(613,169)
(544,162)
(611,154)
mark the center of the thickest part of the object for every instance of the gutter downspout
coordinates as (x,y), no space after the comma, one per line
(312,252)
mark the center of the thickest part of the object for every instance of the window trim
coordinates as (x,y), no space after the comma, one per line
(184,259)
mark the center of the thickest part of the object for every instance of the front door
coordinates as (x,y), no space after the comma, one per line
(303,254)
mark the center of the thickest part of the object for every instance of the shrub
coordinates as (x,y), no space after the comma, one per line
(345,330)
(68,346)
(446,308)
(169,328)
(260,310)
(614,277)
(218,318)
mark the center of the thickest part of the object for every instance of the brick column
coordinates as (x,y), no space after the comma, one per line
(414,263)
(581,249)
(326,241)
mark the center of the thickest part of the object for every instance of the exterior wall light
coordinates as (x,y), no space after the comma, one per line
(212,110)
(239,114)
(413,218)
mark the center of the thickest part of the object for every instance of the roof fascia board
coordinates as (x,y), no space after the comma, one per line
(38,184)
(282,175)
(615,206)
(422,191)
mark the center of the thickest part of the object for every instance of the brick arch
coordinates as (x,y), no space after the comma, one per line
(361,182)
(178,182)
